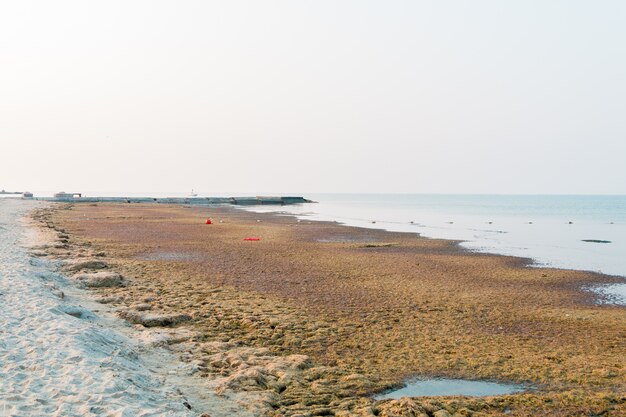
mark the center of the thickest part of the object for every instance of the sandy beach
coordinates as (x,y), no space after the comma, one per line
(64,354)
(315,318)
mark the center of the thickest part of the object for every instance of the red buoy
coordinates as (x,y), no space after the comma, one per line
(251,239)
(208,221)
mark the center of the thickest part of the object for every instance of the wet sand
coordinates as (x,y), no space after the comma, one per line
(315,317)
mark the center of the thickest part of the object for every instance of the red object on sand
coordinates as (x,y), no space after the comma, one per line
(252,239)
(208,221)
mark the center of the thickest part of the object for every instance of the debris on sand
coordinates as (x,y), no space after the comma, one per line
(141,306)
(109,300)
(103,279)
(154,319)
(81,264)
(166,337)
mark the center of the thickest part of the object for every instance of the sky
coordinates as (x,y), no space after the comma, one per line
(525,97)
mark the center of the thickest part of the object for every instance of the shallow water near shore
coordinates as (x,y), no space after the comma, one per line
(450,387)
(554,231)
(611,293)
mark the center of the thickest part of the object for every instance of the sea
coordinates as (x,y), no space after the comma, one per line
(583,232)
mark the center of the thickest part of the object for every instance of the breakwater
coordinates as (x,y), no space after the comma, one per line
(240,201)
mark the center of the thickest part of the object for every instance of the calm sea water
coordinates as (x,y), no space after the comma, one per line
(555,231)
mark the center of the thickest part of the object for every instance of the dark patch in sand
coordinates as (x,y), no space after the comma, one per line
(170,256)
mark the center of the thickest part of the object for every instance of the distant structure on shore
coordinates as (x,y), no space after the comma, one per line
(63,194)
(10,192)
(240,201)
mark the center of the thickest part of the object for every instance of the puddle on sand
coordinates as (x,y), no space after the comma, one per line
(444,387)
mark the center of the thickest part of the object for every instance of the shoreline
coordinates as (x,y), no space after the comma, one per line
(551,239)
(299,306)
(591,294)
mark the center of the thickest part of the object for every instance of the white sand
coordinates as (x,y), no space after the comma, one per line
(71,357)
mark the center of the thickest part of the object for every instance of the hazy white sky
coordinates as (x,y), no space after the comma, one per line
(314,96)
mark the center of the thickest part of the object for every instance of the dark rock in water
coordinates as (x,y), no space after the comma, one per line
(596,241)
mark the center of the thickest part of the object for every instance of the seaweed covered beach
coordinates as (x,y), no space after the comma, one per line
(315,318)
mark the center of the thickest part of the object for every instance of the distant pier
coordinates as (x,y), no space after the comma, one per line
(238,201)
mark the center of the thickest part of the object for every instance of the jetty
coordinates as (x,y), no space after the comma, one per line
(63,197)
